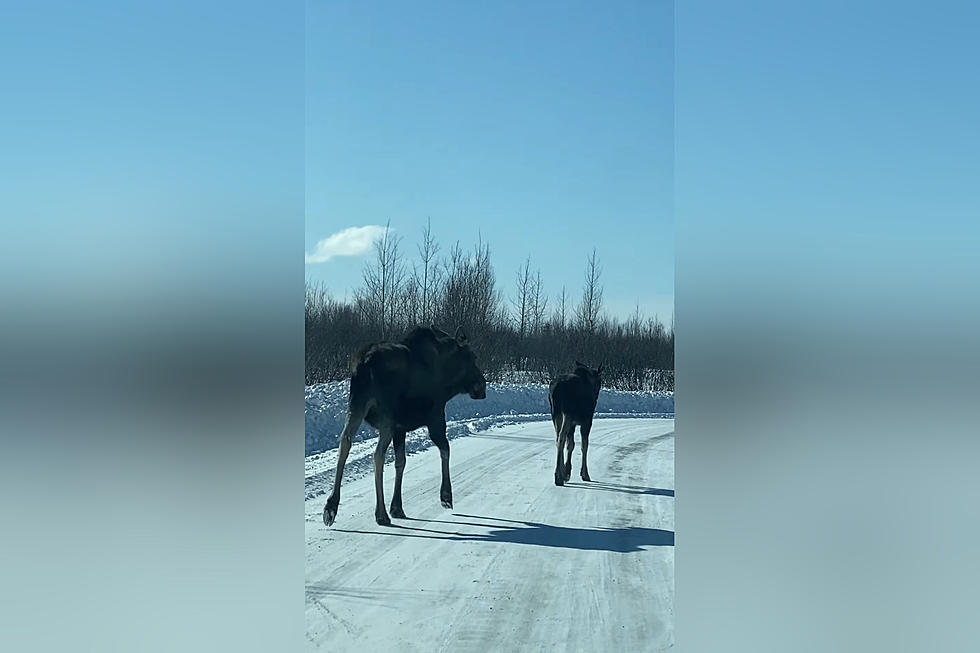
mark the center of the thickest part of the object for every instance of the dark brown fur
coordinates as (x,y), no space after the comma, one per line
(573,398)
(399,387)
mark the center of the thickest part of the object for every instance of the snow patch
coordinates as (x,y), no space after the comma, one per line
(326,408)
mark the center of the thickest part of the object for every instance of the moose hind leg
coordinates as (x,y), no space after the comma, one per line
(570,446)
(396,499)
(586,430)
(384,439)
(566,432)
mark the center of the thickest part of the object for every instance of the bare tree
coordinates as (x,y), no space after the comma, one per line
(483,294)
(539,303)
(560,317)
(411,302)
(523,298)
(590,308)
(450,301)
(427,278)
(383,283)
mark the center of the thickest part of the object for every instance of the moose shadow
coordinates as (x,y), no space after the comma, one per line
(625,489)
(630,539)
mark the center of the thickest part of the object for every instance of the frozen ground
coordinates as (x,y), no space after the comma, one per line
(519,564)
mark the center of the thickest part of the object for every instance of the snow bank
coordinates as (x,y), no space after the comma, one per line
(506,403)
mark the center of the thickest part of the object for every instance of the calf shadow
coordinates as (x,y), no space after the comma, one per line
(629,539)
(616,487)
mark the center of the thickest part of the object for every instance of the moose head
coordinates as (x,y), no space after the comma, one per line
(459,363)
(593,376)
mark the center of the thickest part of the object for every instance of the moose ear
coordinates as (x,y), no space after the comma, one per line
(438,331)
(599,371)
(460,335)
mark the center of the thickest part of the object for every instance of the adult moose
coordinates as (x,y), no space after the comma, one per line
(573,398)
(399,387)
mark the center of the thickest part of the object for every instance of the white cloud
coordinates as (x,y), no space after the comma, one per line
(353,241)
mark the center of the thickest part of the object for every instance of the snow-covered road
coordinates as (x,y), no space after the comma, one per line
(519,564)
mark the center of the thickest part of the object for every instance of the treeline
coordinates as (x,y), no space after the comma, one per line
(524,335)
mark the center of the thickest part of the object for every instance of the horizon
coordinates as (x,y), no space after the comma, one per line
(408,255)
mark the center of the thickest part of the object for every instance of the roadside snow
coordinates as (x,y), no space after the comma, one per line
(507,403)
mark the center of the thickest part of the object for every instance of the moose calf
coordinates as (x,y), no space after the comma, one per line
(573,398)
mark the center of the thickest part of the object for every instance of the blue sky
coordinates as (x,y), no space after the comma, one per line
(135,133)
(545,128)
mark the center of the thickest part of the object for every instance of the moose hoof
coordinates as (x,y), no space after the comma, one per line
(559,478)
(397,512)
(330,511)
(585,476)
(446,499)
(568,472)
(382,518)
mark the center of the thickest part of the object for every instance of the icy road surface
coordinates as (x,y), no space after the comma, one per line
(519,564)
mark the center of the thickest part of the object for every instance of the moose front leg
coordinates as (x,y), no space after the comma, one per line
(437,433)
(354,416)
